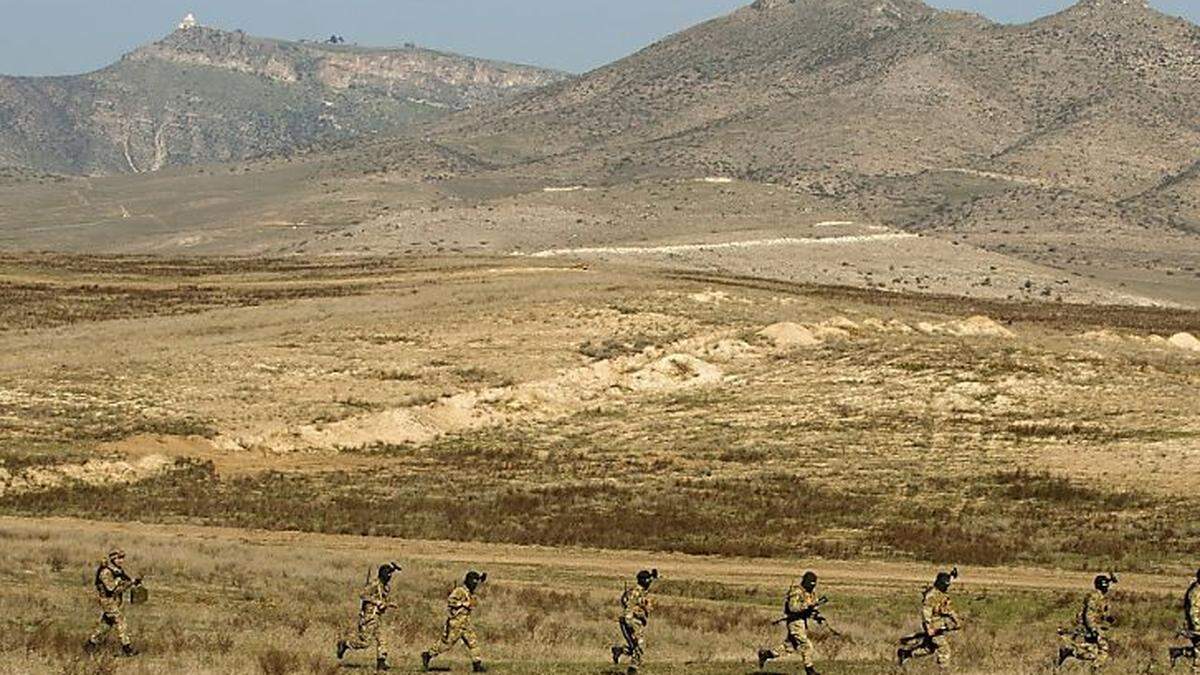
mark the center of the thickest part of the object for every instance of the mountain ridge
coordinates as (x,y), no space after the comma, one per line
(204,95)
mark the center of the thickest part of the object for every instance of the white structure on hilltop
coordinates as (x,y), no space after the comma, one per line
(189,21)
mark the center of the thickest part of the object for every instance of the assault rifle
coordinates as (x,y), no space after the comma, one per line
(1181,653)
(920,638)
(137,592)
(1188,652)
(812,612)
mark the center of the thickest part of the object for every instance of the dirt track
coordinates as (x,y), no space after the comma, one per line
(607,563)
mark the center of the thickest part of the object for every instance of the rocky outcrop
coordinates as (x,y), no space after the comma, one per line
(451,80)
(204,95)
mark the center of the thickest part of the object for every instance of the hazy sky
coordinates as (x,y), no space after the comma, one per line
(50,37)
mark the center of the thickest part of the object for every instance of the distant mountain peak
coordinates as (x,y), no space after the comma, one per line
(1111,8)
(870,14)
(1113,4)
(884,7)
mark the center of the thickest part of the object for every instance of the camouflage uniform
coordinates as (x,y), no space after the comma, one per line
(111,584)
(459,606)
(1087,641)
(1191,611)
(373,603)
(635,603)
(939,619)
(797,640)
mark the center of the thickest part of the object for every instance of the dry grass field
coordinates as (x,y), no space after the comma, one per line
(277,426)
(243,601)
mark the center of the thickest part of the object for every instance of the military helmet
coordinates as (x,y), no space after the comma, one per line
(474,578)
(1102,582)
(116,553)
(387,569)
(809,580)
(644,577)
(943,579)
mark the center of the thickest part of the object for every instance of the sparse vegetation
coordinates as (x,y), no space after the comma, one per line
(876,446)
(237,601)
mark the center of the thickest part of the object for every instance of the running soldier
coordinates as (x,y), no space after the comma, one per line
(458,628)
(801,605)
(635,614)
(938,620)
(1087,640)
(373,602)
(1191,617)
(111,582)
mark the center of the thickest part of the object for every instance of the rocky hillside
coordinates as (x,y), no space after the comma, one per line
(207,95)
(831,96)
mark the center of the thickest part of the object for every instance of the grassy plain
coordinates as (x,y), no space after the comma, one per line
(225,600)
(543,419)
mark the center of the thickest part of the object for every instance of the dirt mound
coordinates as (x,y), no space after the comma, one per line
(92,472)
(709,297)
(975,326)
(1103,336)
(673,372)
(651,371)
(842,323)
(724,351)
(787,335)
(1185,341)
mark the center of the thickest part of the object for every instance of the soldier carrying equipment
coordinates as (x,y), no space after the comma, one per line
(1191,617)
(459,605)
(938,621)
(800,606)
(111,582)
(635,614)
(1087,639)
(373,603)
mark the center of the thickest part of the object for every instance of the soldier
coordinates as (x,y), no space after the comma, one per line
(1087,641)
(635,614)
(458,624)
(801,605)
(111,583)
(1191,617)
(938,620)
(373,602)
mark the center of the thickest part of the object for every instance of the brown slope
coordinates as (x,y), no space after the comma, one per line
(825,94)
(1105,90)
(737,69)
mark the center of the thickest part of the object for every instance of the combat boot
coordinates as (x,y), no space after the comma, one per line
(129,650)
(341,649)
(426,657)
(902,655)
(617,653)
(478,667)
(810,670)
(381,664)
(1064,653)
(764,655)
